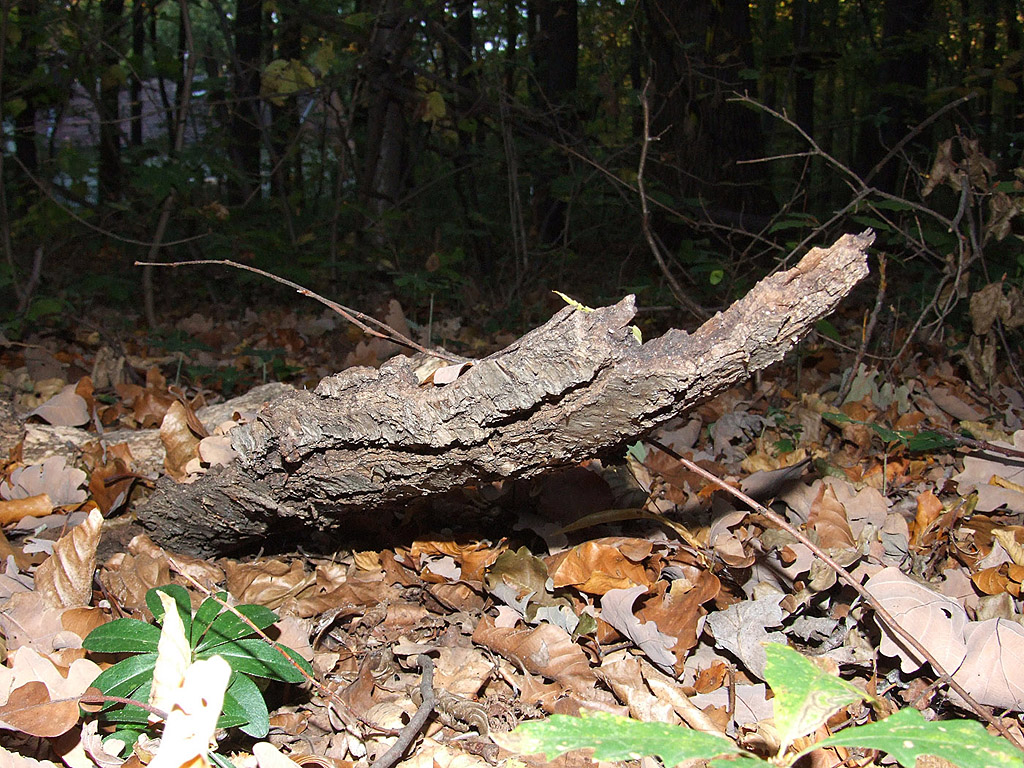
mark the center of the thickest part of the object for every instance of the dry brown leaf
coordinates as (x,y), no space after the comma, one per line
(623,676)
(595,567)
(991,581)
(38,698)
(268,582)
(206,573)
(31,710)
(129,577)
(828,520)
(929,509)
(543,650)
(678,611)
(65,579)
(52,476)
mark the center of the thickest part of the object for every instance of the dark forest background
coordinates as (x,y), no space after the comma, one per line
(466,155)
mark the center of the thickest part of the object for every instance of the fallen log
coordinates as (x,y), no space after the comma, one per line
(577,386)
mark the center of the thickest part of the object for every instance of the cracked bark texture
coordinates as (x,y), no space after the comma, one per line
(577,386)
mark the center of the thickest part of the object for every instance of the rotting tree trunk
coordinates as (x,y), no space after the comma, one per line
(577,386)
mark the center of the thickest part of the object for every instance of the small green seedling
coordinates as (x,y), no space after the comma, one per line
(212,630)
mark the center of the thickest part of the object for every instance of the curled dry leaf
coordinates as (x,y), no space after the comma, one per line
(180,443)
(32,506)
(65,579)
(598,566)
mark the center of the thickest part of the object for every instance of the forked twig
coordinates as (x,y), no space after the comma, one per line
(880,610)
(358,319)
(645,220)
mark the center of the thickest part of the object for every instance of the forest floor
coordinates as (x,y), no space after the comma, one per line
(628,584)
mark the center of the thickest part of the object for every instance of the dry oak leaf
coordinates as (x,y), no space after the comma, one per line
(543,650)
(65,578)
(52,477)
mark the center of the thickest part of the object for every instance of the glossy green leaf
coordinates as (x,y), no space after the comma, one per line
(254,656)
(181,599)
(244,699)
(227,627)
(123,636)
(205,615)
(125,677)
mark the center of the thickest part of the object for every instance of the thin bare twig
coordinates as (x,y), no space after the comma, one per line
(416,723)
(869,329)
(148,297)
(358,319)
(880,610)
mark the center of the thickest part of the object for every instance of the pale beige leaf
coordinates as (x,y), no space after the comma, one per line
(937,621)
(65,409)
(193,717)
(53,477)
(65,579)
(173,658)
(992,673)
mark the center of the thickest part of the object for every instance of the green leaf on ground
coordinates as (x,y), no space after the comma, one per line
(805,695)
(616,738)
(906,736)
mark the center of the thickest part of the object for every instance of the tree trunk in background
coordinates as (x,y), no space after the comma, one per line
(387,130)
(135,88)
(555,54)
(804,67)
(246,138)
(21,82)
(1013,121)
(110,177)
(897,104)
(469,129)
(697,50)
(287,176)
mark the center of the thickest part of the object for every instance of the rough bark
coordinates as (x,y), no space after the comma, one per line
(571,389)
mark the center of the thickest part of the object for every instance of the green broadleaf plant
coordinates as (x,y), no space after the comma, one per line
(212,630)
(805,697)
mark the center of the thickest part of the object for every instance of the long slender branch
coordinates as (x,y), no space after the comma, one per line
(358,319)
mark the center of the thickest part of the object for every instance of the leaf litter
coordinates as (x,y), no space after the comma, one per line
(627,585)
